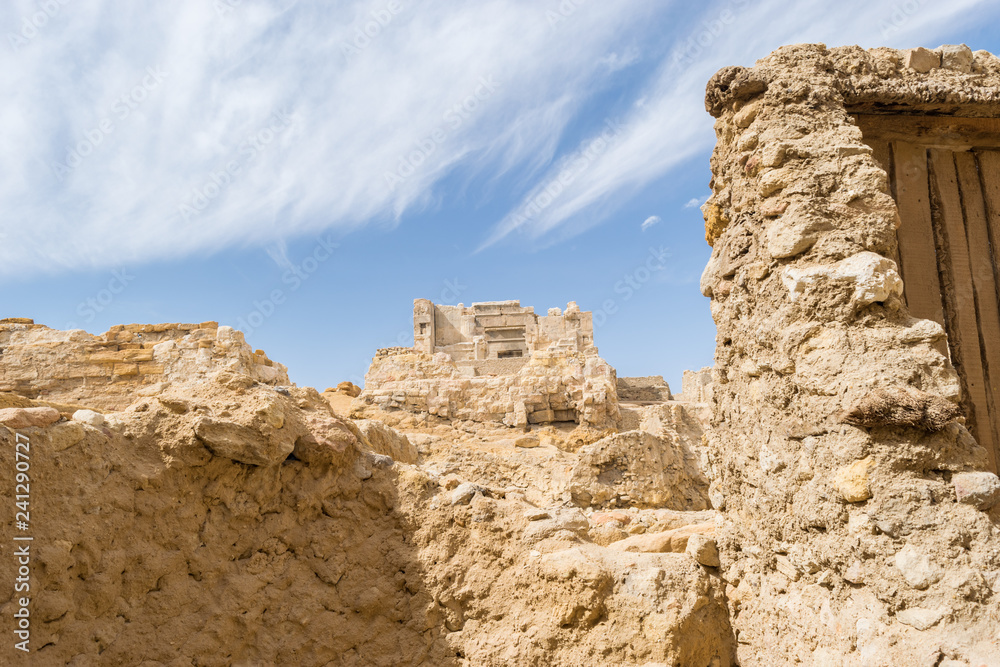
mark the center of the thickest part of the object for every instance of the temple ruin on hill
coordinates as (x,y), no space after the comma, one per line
(497,361)
(478,337)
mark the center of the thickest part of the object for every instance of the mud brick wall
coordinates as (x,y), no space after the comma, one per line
(839,450)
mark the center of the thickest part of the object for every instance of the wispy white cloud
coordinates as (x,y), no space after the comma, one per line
(650,221)
(695,202)
(667,124)
(149,131)
(274,118)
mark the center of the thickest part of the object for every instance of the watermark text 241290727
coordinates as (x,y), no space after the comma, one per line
(22,542)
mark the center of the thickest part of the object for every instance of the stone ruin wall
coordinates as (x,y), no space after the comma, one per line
(696,386)
(109,370)
(550,387)
(644,389)
(456,370)
(478,337)
(838,451)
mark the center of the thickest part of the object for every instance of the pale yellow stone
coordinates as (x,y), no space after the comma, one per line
(852,481)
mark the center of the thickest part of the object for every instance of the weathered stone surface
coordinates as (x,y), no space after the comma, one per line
(921,60)
(108,371)
(703,549)
(920,618)
(820,364)
(95,419)
(957,57)
(496,362)
(668,541)
(28,417)
(638,468)
(387,440)
(979,489)
(917,568)
(852,481)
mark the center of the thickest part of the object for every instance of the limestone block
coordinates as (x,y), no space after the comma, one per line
(921,60)
(527,442)
(979,489)
(95,419)
(703,549)
(917,568)
(710,275)
(794,232)
(956,57)
(874,277)
(746,115)
(387,440)
(668,541)
(65,435)
(852,481)
(125,369)
(329,442)
(465,492)
(241,443)
(17,418)
(855,574)
(920,617)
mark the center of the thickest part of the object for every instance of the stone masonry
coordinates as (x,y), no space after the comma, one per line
(497,361)
(107,370)
(839,448)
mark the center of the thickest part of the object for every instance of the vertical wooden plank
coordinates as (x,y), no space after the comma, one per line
(989,176)
(989,181)
(882,153)
(921,284)
(964,332)
(984,280)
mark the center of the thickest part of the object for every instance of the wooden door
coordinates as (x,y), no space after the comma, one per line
(945,176)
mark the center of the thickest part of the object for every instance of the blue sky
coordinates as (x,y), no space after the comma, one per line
(305,170)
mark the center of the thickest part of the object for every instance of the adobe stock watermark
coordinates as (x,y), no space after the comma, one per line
(226,7)
(294,278)
(220,179)
(900,15)
(89,308)
(32,25)
(121,110)
(551,191)
(632,282)
(364,34)
(707,32)
(451,291)
(453,118)
(565,10)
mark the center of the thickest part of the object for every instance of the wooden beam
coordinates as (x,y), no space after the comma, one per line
(917,250)
(963,333)
(981,254)
(954,132)
(882,152)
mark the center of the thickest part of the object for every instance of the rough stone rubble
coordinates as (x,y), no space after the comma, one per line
(207,512)
(851,536)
